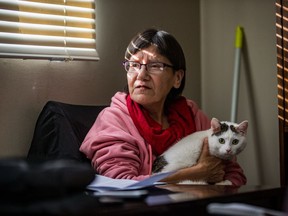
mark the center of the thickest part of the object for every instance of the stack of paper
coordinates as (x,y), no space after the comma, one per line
(104,187)
(102,183)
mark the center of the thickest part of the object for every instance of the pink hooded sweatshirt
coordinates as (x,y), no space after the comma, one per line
(117,150)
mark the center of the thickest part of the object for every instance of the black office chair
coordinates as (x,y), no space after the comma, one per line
(60,130)
(51,180)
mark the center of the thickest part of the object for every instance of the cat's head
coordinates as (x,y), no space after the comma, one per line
(227,139)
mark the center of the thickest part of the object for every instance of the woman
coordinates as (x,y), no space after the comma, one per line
(151,116)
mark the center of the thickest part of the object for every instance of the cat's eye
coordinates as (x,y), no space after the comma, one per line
(221,140)
(235,142)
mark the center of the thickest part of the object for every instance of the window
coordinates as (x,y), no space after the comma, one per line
(48,29)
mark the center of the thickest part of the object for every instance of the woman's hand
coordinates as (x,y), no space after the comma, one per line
(212,168)
(209,168)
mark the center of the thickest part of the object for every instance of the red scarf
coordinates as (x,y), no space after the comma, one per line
(181,124)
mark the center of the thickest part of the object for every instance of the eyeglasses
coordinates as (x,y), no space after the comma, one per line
(152,68)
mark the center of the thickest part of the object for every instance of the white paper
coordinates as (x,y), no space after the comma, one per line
(102,183)
(241,209)
(121,194)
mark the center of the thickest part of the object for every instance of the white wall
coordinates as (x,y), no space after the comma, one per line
(26,85)
(258,81)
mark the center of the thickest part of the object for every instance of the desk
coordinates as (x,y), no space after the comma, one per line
(165,200)
(193,199)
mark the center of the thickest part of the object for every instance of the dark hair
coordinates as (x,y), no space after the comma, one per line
(167,46)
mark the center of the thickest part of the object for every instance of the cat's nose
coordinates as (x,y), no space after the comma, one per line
(228,150)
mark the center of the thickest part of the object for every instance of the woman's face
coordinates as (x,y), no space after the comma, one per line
(151,90)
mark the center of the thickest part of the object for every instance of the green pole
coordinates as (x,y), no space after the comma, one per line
(238,47)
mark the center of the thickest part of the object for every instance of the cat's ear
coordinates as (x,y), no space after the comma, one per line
(242,127)
(215,125)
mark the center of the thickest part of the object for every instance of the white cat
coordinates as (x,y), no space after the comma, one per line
(226,139)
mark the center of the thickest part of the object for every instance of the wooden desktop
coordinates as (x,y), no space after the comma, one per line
(161,200)
(193,200)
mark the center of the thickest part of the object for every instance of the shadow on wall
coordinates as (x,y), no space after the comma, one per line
(253,106)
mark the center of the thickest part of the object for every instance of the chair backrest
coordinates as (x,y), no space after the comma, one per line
(60,130)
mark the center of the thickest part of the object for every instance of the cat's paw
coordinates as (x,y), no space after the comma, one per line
(225,182)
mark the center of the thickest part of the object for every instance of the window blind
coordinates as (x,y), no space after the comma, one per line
(282,77)
(48,29)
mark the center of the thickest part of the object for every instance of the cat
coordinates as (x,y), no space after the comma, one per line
(226,140)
